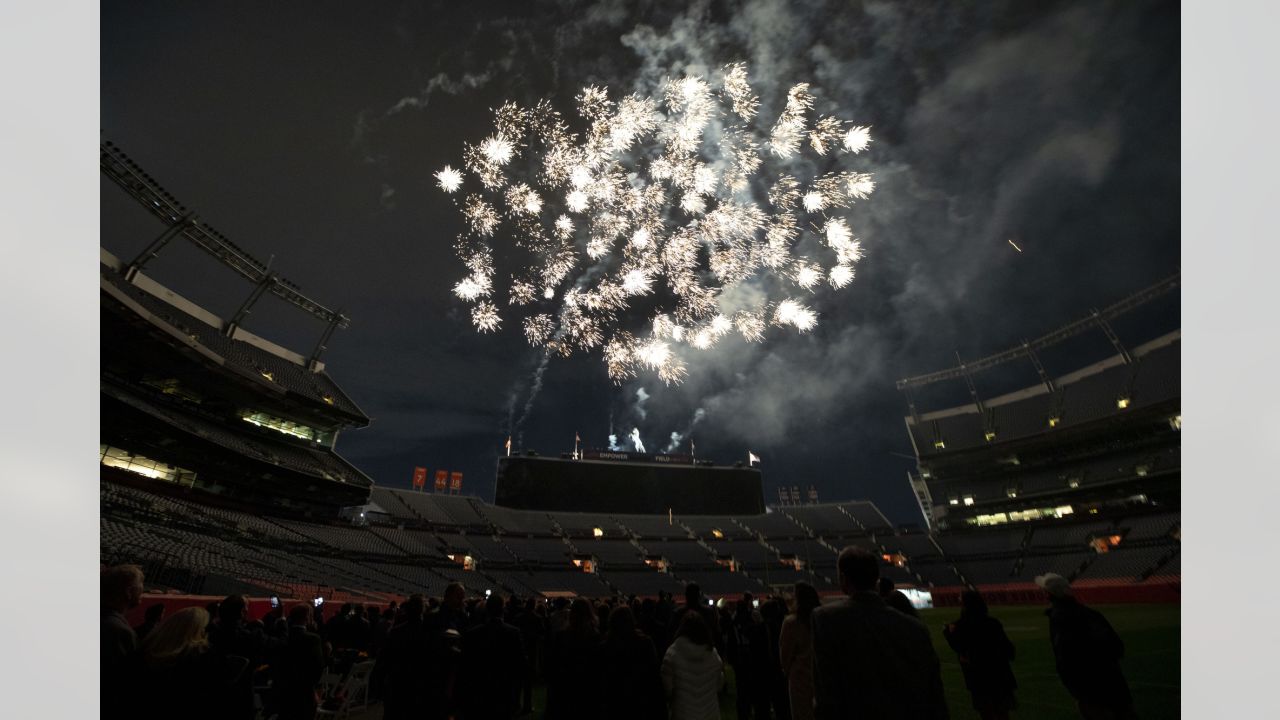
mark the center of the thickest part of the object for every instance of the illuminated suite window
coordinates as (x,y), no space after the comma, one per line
(288,427)
(145,466)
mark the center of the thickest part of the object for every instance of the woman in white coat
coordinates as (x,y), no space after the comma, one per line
(692,672)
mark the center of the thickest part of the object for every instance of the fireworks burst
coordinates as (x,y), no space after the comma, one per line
(651,212)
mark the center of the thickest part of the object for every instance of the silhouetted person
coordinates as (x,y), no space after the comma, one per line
(120,590)
(984,652)
(179,675)
(896,599)
(869,660)
(692,672)
(297,668)
(695,602)
(152,618)
(381,630)
(795,648)
(403,666)
(1087,652)
(232,637)
(452,612)
(573,667)
(532,628)
(774,612)
(632,687)
(749,652)
(492,666)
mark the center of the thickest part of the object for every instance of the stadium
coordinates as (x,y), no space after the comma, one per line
(220,476)
(749,360)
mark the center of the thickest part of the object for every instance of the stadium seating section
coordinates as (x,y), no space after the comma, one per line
(421,542)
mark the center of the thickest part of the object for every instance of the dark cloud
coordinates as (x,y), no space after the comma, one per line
(1053,124)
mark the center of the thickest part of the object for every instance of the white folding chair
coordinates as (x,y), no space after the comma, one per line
(354,693)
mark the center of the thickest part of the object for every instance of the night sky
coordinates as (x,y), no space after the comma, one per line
(309,133)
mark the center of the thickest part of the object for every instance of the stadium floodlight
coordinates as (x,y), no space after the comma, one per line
(954,501)
(1053,421)
(939,444)
(1175,422)
(1122,402)
(989,435)
(968,500)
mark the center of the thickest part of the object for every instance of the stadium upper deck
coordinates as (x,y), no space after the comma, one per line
(1106,435)
(195,399)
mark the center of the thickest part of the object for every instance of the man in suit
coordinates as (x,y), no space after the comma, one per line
(493,664)
(869,660)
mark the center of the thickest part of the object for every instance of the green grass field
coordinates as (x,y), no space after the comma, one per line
(1151,635)
(1152,643)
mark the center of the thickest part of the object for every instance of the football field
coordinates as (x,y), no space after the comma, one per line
(1151,664)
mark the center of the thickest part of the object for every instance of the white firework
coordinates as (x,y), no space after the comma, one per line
(840,276)
(807,276)
(564,227)
(538,328)
(449,179)
(523,200)
(750,326)
(825,135)
(577,201)
(860,185)
(481,215)
(485,317)
(693,204)
(636,282)
(473,287)
(497,150)
(791,312)
(650,215)
(789,130)
(857,139)
(745,102)
(522,292)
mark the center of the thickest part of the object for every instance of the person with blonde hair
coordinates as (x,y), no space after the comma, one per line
(180,677)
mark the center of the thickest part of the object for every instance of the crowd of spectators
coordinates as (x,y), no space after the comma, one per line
(454,657)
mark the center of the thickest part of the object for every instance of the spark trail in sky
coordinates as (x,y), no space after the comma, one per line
(630,232)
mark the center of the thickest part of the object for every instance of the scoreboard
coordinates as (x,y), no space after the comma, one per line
(628,483)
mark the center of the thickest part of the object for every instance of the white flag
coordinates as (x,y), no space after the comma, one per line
(752,458)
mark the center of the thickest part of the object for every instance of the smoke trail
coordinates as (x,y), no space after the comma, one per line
(641,397)
(533,395)
(675,442)
(678,437)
